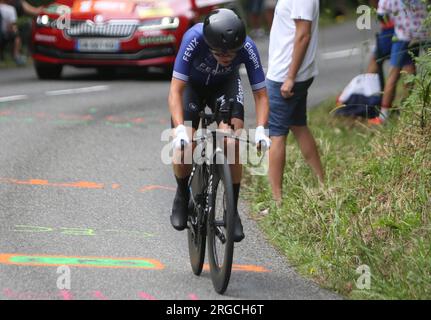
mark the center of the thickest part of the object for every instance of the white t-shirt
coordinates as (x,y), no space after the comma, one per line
(408,18)
(282,39)
(9,16)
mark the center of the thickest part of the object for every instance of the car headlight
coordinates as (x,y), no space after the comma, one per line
(159,24)
(44,21)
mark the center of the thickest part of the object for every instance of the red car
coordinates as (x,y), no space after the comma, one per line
(112,33)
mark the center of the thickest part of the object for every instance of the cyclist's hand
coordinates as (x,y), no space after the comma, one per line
(180,135)
(262,137)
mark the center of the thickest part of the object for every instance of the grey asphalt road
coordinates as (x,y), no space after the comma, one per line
(82,184)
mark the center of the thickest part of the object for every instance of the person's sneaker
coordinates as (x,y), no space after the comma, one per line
(376,121)
(179,212)
(238,231)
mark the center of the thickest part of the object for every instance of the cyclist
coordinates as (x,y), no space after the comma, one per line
(206,71)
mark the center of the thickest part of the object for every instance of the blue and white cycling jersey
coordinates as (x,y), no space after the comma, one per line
(196,64)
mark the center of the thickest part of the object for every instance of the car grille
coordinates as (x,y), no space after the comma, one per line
(83,29)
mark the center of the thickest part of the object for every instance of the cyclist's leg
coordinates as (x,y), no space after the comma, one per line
(182,160)
(232,89)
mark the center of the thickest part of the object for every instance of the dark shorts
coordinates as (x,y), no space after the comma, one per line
(285,113)
(196,98)
(7,37)
(384,44)
(255,6)
(402,54)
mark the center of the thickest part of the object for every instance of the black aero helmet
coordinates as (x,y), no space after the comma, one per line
(224,30)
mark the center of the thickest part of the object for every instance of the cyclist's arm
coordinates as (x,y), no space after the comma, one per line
(175,101)
(262,107)
(256,76)
(188,50)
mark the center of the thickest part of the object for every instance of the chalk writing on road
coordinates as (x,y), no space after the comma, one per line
(93,262)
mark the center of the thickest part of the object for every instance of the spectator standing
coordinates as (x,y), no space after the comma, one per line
(292,68)
(269,12)
(255,14)
(9,32)
(384,42)
(408,18)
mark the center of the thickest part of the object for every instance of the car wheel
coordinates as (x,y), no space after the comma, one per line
(48,71)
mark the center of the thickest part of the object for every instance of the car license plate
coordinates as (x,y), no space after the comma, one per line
(98,45)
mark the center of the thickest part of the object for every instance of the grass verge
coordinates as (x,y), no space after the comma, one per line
(374,210)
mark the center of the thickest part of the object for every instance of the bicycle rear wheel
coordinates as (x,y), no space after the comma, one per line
(220,227)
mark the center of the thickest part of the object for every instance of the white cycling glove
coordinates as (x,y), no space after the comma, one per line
(261,136)
(180,134)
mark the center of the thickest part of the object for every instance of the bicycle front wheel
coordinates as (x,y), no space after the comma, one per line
(220,227)
(196,235)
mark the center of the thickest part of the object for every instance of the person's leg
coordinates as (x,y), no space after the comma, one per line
(255,15)
(399,58)
(269,14)
(410,70)
(182,167)
(232,151)
(409,67)
(269,6)
(298,126)
(280,112)
(308,148)
(232,89)
(182,160)
(277,162)
(17,47)
(373,67)
(390,91)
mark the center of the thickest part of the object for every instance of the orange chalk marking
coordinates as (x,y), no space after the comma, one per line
(150,188)
(243,268)
(38,182)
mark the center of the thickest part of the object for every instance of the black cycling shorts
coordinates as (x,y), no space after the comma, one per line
(197,97)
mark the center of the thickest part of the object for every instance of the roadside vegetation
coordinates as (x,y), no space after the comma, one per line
(375,208)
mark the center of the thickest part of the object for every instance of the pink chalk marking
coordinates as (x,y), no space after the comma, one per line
(66,295)
(9,293)
(163,121)
(146,296)
(99,295)
(5,113)
(64,116)
(138,120)
(115,186)
(114,119)
(192,296)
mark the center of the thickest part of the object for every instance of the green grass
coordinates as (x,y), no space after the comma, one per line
(374,209)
